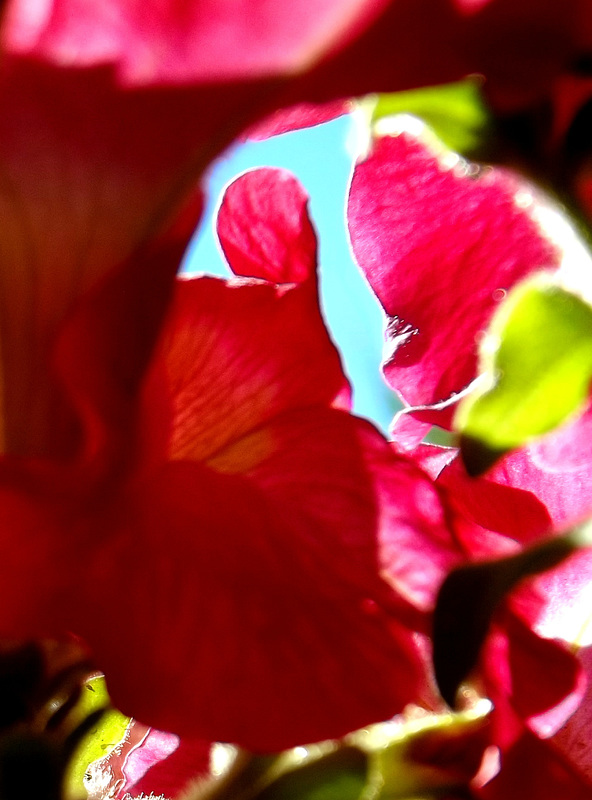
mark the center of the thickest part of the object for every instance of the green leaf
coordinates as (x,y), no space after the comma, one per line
(454,111)
(468,599)
(340,775)
(100,740)
(429,757)
(536,365)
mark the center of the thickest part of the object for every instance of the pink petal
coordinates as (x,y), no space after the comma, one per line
(264,227)
(186,41)
(562,599)
(169,764)
(419,230)
(417,557)
(303,115)
(150,762)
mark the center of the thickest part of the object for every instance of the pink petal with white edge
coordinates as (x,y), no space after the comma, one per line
(422,227)
(165,765)
(264,228)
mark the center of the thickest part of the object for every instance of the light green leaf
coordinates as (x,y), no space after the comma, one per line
(454,111)
(536,365)
(100,740)
(429,757)
(339,775)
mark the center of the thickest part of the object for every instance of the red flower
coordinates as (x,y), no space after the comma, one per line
(221,560)
(440,243)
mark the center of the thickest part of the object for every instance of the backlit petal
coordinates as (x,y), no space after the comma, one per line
(421,227)
(264,227)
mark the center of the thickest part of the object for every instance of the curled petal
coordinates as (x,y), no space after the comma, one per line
(264,227)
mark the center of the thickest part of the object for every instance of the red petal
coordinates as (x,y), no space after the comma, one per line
(496,505)
(531,681)
(531,769)
(264,227)
(264,589)
(548,700)
(419,230)
(233,357)
(105,347)
(303,115)
(572,742)
(256,561)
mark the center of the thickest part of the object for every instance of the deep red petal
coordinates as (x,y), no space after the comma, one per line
(572,742)
(519,47)
(90,174)
(264,227)
(243,624)
(419,230)
(531,769)
(545,487)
